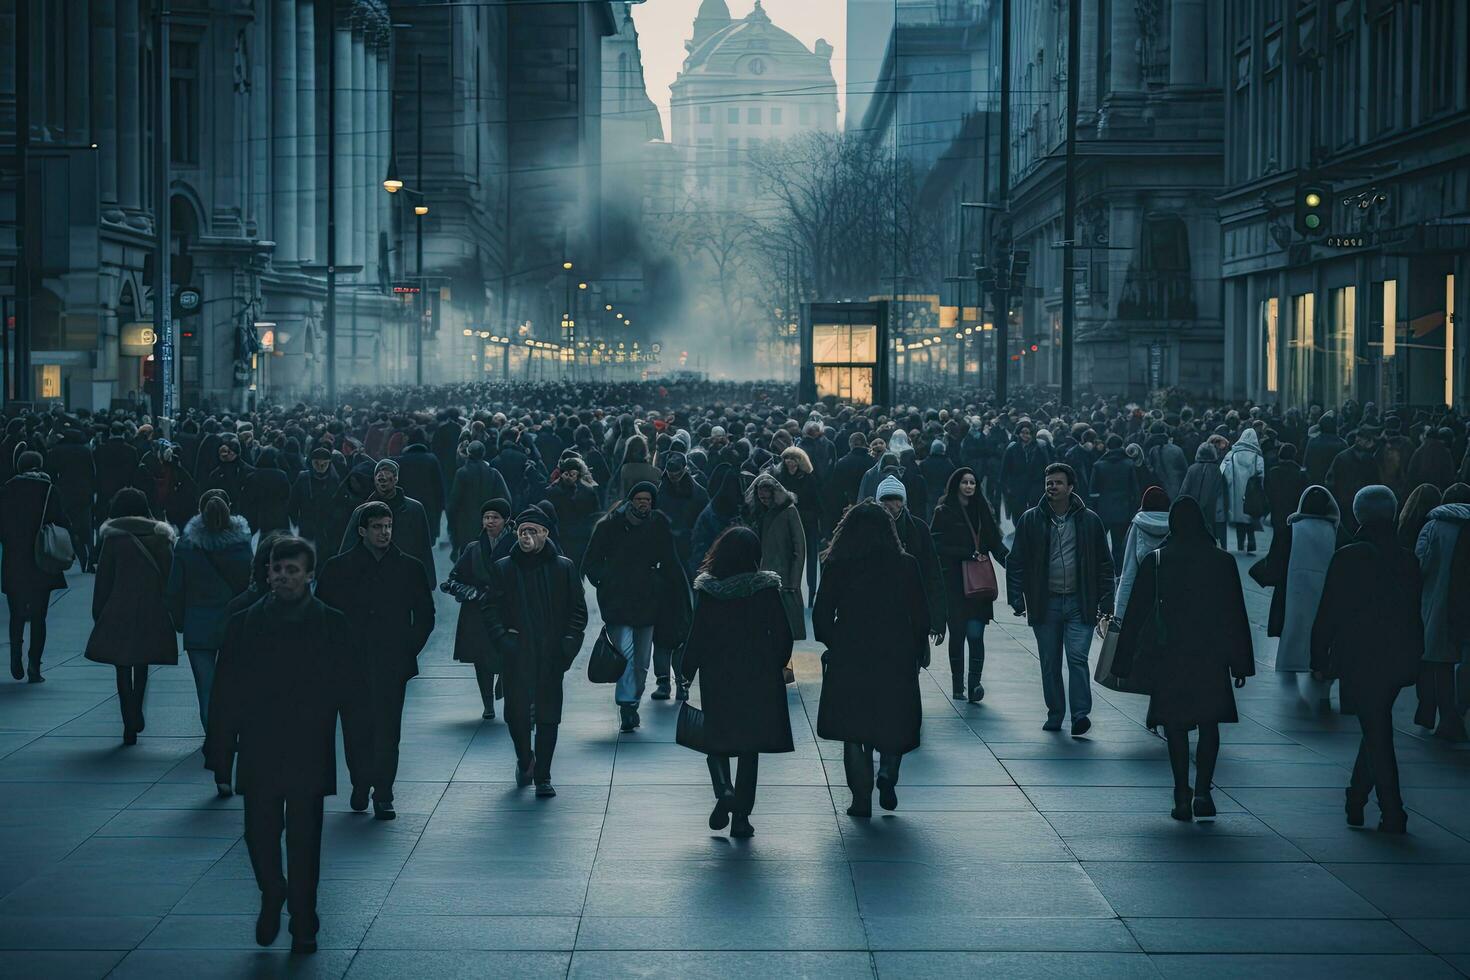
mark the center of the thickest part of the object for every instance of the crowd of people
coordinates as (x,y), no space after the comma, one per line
(296,549)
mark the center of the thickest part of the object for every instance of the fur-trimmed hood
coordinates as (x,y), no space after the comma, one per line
(736,586)
(196,534)
(138,527)
(780,496)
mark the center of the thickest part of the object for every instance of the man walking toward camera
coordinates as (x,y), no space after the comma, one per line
(1060,576)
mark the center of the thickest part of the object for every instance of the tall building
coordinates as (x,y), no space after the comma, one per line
(1365,105)
(744,82)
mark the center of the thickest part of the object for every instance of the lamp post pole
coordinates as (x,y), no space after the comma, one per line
(419,228)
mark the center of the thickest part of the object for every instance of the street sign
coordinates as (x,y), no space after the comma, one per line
(187,301)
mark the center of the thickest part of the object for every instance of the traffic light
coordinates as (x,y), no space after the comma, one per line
(1020,263)
(1313,208)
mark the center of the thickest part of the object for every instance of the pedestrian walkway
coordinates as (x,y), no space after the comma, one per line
(1015,852)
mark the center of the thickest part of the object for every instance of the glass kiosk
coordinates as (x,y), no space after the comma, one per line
(844,352)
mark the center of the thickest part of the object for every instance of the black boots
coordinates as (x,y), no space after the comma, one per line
(17,669)
(719,777)
(661,690)
(857,762)
(268,923)
(1204,804)
(628,714)
(1183,803)
(682,694)
(33,673)
(888,781)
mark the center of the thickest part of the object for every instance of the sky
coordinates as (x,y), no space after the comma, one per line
(664,26)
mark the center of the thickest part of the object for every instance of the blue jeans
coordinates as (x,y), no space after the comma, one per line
(1065,627)
(201,662)
(636,643)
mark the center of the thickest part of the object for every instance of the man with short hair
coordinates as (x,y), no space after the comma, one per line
(310,504)
(390,614)
(1060,576)
(410,523)
(278,686)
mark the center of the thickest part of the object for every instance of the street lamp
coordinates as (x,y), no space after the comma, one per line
(392,183)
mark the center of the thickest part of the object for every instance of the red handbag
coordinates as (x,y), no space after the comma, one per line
(978,575)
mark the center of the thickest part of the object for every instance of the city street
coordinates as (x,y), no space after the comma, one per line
(1014,852)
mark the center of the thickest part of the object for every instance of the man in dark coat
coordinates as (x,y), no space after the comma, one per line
(27,500)
(1284,484)
(1369,633)
(1115,494)
(390,614)
(310,504)
(1166,460)
(680,498)
(1432,462)
(410,526)
(74,473)
(265,497)
(1352,470)
(847,477)
(536,614)
(228,474)
(1022,471)
(476,482)
(935,469)
(278,686)
(1059,574)
(445,445)
(1321,450)
(422,480)
(117,464)
(511,462)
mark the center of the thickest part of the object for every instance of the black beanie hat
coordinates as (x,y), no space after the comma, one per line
(500,505)
(534,515)
(643,486)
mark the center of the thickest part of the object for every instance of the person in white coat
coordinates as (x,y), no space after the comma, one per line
(1240,464)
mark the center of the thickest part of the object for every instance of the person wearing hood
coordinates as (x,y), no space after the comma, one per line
(777,522)
(131,629)
(635,466)
(634,565)
(475,482)
(596,462)
(265,499)
(739,644)
(1369,635)
(1147,532)
(1059,575)
(27,501)
(1240,465)
(468,582)
(1443,552)
(798,475)
(1115,490)
(1353,469)
(964,528)
(310,504)
(410,527)
(1206,484)
(1166,460)
(229,473)
(936,469)
(723,509)
(382,591)
(535,612)
(1295,569)
(211,565)
(573,499)
(422,479)
(1185,634)
(74,473)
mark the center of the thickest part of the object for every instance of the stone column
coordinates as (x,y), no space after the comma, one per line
(383,126)
(342,177)
(104,96)
(1124,63)
(78,120)
(371,172)
(1188,59)
(284,150)
(306,137)
(356,247)
(129,106)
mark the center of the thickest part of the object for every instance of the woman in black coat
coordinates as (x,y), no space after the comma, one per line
(738,645)
(468,582)
(28,500)
(872,616)
(1185,634)
(574,498)
(963,530)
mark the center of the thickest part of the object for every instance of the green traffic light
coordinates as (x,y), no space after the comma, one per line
(1312,221)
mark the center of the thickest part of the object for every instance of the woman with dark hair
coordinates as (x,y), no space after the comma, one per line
(469,581)
(211,566)
(1415,515)
(872,616)
(27,501)
(738,646)
(964,528)
(131,627)
(574,499)
(1185,633)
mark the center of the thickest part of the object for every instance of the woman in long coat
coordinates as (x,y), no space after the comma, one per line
(574,497)
(28,500)
(963,529)
(131,628)
(1444,541)
(1296,568)
(872,617)
(738,646)
(1240,464)
(468,582)
(775,519)
(1185,634)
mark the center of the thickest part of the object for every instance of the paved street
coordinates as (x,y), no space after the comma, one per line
(1015,852)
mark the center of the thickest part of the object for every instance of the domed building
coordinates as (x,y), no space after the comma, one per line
(744,82)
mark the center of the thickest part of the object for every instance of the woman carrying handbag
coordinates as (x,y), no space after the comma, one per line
(969,546)
(738,646)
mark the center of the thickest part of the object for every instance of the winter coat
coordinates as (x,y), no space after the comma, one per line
(954,543)
(576,516)
(806,488)
(310,507)
(232,479)
(1296,569)
(871,616)
(935,470)
(209,569)
(513,464)
(1240,464)
(469,581)
(739,644)
(1206,632)
(1023,473)
(1442,535)
(1350,472)
(22,498)
(475,483)
(634,567)
(1081,460)
(1169,465)
(281,678)
(410,532)
(1432,463)
(536,615)
(1284,485)
(1115,488)
(631,474)
(1206,484)
(117,467)
(918,540)
(170,489)
(1369,632)
(1317,458)
(783,545)
(73,471)
(130,621)
(389,609)
(681,502)
(1028,564)
(844,487)
(420,477)
(1145,534)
